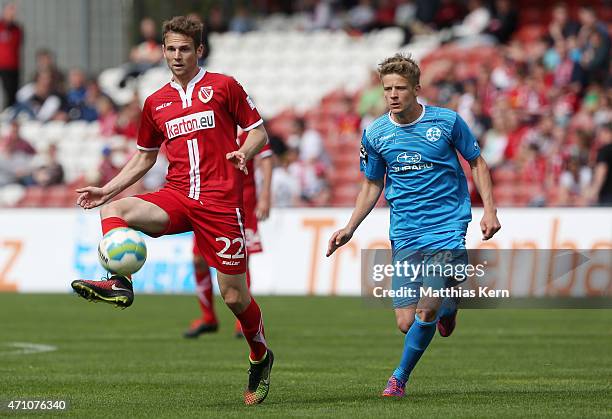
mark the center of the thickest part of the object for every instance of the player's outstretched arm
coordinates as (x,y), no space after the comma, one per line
(256,139)
(367,198)
(136,167)
(489,225)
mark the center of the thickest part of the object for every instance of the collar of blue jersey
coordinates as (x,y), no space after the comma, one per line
(409,123)
(186,95)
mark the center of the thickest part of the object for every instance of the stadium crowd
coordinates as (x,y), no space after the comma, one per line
(536,96)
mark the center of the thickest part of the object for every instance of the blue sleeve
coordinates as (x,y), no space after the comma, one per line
(464,141)
(371,162)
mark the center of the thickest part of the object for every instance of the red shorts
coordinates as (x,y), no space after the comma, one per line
(218,230)
(253,240)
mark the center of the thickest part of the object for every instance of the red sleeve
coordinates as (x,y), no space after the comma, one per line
(265,151)
(149,135)
(242,107)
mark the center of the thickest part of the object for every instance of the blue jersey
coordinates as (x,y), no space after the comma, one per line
(425,185)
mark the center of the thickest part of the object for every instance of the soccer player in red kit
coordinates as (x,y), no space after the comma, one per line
(255,208)
(196,117)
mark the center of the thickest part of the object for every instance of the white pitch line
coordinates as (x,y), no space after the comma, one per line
(26,348)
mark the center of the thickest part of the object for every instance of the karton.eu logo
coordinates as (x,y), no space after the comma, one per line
(433,134)
(410,157)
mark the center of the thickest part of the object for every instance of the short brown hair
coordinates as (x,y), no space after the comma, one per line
(401,64)
(186,26)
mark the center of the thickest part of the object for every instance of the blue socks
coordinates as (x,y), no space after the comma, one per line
(417,340)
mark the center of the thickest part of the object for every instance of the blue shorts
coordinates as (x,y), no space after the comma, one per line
(427,261)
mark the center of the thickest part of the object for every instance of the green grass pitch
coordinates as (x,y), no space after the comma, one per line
(333,357)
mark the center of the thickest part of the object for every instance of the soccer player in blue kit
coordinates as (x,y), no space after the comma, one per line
(411,152)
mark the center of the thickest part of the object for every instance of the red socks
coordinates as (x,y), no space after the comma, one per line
(238,326)
(112,222)
(204,290)
(252,327)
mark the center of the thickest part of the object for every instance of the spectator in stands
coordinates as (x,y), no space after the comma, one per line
(465,103)
(146,54)
(504,21)
(574,181)
(594,44)
(39,101)
(516,133)
(482,122)
(348,121)
(494,142)
(107,117)
(11,39)
(215,21)
(601,188)
(503,76)
(12,143)
(362,16)
(449,13)
(128,120)
(371,97)
(405,18)
(307,141)
(286,190)
(314,185)
(77,101)
(46,168)
(447,86)
(595,59)
(561,26)
(92,94)
(107,168)
(531,165)
(322,16)
(15,156)
(566,103)
(603,113)
(474,23)
(591,24)
(426,11)
(45,63)
(242,22)
(384,14)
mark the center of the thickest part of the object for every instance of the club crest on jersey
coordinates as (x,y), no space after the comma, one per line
(205,94)
(433,134)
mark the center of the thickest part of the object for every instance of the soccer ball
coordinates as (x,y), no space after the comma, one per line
(122,251)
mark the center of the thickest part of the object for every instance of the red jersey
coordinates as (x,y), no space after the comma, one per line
(11,37)
(198,127)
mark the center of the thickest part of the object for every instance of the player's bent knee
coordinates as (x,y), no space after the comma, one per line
(234,299)
(426,315)
(112,209)
(404,325)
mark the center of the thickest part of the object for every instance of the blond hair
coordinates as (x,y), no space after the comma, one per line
(403,65)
